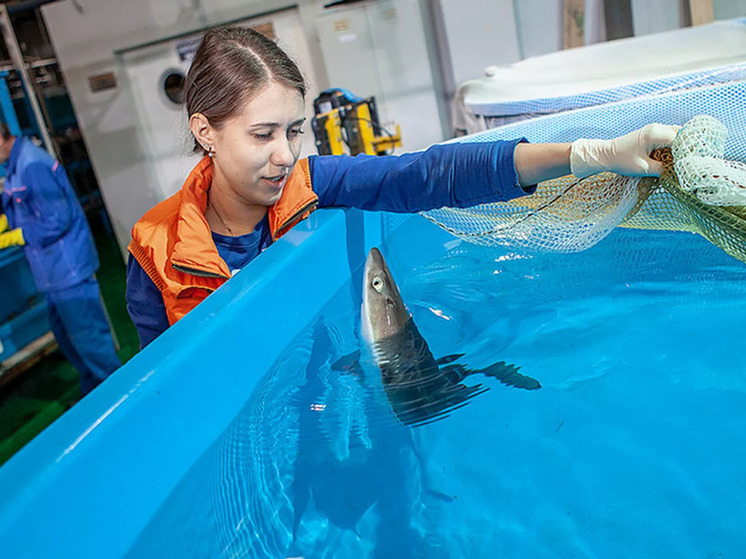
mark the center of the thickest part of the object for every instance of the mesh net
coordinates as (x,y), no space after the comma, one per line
(703,189)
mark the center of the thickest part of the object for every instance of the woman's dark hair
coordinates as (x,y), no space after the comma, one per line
(230,66)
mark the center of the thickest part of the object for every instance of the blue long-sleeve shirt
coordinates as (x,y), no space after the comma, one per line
(453,175)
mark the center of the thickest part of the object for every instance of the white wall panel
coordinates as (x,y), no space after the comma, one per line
(653,16)
(481,33)
(727,9)
(539,24)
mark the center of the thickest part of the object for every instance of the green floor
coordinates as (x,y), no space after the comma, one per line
(43,393)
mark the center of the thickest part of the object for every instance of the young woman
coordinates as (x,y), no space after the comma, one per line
(245,101)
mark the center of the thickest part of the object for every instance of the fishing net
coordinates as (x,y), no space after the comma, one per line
(702,190)
(699,192)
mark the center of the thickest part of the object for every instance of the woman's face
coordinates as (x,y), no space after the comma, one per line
(256,149)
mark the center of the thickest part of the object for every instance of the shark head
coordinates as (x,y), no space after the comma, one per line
(384,313)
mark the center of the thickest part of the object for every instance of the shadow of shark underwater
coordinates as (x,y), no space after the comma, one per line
(419,388)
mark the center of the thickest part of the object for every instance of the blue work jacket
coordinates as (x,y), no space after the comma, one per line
(38,198)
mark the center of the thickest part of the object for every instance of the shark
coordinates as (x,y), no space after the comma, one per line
(420,388)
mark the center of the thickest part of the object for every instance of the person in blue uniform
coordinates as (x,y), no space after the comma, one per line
(42,214)
(245,103)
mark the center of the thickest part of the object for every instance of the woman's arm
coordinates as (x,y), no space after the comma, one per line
(467,174)
(535,163)
(454,175)
(144,304)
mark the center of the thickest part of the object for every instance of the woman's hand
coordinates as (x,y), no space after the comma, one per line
(626,155)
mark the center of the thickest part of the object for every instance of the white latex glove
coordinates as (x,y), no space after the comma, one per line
(626,155)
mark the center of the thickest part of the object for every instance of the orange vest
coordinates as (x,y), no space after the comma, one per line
(173,242)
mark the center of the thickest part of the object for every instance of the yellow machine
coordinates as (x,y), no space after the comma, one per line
(346,124)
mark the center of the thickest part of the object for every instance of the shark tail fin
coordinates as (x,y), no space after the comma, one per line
(507,373)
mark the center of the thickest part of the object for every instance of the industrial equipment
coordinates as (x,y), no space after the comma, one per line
(24,322)
(347,124)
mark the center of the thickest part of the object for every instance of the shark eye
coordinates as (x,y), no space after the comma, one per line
(377,284)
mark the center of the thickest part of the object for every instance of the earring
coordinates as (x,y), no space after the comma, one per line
(210,152)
